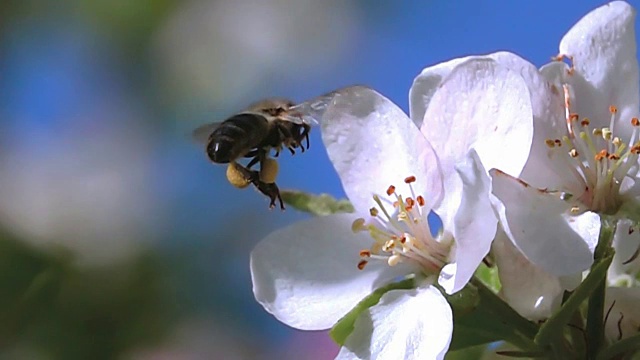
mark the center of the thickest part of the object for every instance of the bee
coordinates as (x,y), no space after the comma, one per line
(272,124)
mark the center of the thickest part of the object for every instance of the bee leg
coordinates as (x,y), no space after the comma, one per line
(258,156)
(266,182)
(305,134)
(271,190)
(253,161)
(287,137)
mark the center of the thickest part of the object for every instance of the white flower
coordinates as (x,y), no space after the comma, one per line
(583,156)
(494,116)
(478,104)
(312,273)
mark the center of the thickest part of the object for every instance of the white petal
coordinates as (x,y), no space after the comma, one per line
(474,225)
(426,84)
(626,243)
(544,169)
(405,324)
(603,45)
(539,225)
(531,291)
(373,144)
(480,105)
(306,274)
(625,312)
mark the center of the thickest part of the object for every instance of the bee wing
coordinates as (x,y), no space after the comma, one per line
(311,111)
(201,134)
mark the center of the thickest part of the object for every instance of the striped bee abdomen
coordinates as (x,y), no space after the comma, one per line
(236,136)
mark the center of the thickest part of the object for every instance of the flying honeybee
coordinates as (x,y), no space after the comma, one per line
(272,124)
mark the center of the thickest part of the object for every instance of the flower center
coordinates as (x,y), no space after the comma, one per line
(598,158)
(403,234)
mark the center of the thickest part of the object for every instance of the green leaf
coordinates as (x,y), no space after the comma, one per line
(344,327)
(464,301)
(489,276)
(490,319)
(319,205)
(475,328)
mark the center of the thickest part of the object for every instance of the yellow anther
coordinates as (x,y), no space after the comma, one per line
(358,225)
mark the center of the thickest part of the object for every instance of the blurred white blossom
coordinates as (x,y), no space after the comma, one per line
(86,188)
(222,50)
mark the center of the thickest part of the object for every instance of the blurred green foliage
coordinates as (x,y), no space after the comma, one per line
(61,310)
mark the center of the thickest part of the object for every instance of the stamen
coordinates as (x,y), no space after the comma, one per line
(376,198)
(567,107)
(617,142)
(410,202)
(403,234)
(394,260)
(600,158)
(388,246)
(601,155)
(358,225)
(365,253)
(569,58)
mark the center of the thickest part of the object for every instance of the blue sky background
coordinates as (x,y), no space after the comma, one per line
(83,82)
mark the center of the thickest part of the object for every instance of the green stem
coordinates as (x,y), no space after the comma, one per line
(595,309)
(555,325)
